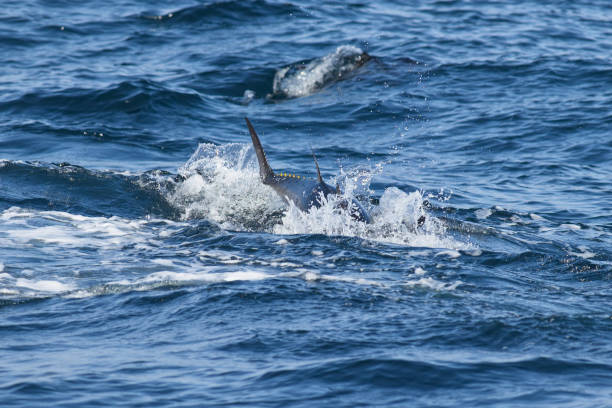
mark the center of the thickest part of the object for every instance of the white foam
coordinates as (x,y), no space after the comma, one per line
(483,213)
(63,229)
(56,232)
(163,262)
(15,215)
(584,253)
(244,276)
(51,235)
(450,253)
(202,276)
(536,217)
(222,256)
(165,233)
(192,186)
(571,226)
(50,286)
(223,186)
(419,271)
(157,280)
(248,97)
(312,276)
(281,264)
(433,284)
(516,219)
(394,221)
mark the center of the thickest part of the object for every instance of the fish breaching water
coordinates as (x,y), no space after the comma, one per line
(304,193)
(306,77)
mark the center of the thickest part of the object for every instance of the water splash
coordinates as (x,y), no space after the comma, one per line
(302,79)
(222,185)
(394,221)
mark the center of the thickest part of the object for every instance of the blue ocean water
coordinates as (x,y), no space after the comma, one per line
(143,263)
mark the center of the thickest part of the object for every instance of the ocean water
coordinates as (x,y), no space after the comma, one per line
(143,263)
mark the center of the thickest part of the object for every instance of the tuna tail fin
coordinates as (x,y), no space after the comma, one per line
(265,171)
(319,179)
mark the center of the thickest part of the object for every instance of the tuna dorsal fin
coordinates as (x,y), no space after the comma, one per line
(317,164)
(265,171)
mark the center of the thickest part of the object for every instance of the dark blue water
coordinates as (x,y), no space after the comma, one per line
(143,263)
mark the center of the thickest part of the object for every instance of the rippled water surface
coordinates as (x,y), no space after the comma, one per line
(143,262)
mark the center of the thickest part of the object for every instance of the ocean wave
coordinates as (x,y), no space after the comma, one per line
(224,12)
(67,187)
(127,97)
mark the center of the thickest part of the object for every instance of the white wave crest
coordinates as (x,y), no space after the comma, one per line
(12,286)
(64,229)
